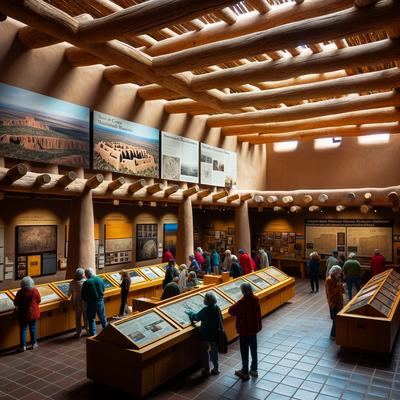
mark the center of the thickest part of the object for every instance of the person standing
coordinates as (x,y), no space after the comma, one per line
(331,261)
(27,301)
(198,255)
(352,274)
(246,262)
(211,321)
(334,293)
(170,290)
(93,295)
(215,259)
(248,323)
(182,278)
(377,263)
(236,269)
(171,273)
(207,263)
(264,260)
(194,265)
(227,263)
(74,291)
(313,270)
(125,286)
(167,255)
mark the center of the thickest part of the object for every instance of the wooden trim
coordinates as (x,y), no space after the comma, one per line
(170,190)
(203,193)
(94,181)
(190,191)
(220,195)
(68,178)
(116,184)
(157,187)
(16,172)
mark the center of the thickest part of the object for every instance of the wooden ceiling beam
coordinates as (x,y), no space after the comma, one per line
(327,27)
(262,6)
(308,110)
(156,92)
(249,23)
(117,75)
(375,53)
(147,17)
(226,15)
(340,131)
(77,57)
(364,3)
(381,115)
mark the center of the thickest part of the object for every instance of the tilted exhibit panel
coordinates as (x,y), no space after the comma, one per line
(62,288)
(148,273)
(47,293)
(370,321)
(6,304)
(108,283)
(232,288)
(136,278)
(159,271)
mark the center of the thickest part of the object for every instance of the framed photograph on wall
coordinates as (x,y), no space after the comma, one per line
(170,237)
(146,242)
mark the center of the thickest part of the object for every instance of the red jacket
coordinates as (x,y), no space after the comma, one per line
(377,264)
(248,315)
(27,302)
(199,258)
(247,263)
(167,256)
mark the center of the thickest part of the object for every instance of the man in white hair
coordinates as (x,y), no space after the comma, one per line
(352,274)
(377,263)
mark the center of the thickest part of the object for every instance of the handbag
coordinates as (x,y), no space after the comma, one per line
(222,339)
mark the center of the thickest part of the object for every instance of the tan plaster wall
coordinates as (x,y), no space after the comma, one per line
(45,71)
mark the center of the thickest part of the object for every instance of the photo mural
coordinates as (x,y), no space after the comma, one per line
(35,127)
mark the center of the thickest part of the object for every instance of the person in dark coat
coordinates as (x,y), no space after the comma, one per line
(236,269)
(170,290)
(248,323)
(125,286)
(211,321)
(313,271)
(171,273)
(27,301)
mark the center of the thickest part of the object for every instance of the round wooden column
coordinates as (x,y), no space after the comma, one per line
(81,251)
(242,228)
(184,245)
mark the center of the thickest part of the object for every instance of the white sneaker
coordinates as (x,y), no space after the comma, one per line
(21,349)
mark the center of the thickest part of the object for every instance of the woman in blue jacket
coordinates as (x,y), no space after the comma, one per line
(215,261)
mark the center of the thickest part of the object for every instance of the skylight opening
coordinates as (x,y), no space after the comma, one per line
(379,138)
(285,147)
(327,143)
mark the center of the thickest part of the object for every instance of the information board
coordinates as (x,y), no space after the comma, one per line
(232,289)
(179,158)
(218,167)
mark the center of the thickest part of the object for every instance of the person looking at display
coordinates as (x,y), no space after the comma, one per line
(248,323)
(27,302)
(167,255)
(170,290)
(334,293)
(124,285)
(207,263)
(246,262)
(331,261)
(313,271)
(93,294)
(171,273)
(74,290)
(236,269)
(194,265)
(377,263)
(227,263)
(215,260)
(264,260)
(211,322)
(352,274)
(183,275)
(198,255)
(191,282)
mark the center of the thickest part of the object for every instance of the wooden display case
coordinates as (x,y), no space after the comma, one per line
(370,321)
(140,364)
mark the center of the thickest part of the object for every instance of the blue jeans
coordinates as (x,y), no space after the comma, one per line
(93,309)
(22,332)
(349,282)
(209,350)
(247,342)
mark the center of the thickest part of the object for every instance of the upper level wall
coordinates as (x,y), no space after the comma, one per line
(351,165)
(45,71)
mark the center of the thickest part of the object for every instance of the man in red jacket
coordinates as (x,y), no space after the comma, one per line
(377,263)
(248,323)
(246,262)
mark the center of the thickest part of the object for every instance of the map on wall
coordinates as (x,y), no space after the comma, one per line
(324,239)
(125,146)
(218,167)
(39,128)
(180,158)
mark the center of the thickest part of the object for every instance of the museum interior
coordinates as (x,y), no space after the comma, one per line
(158,156)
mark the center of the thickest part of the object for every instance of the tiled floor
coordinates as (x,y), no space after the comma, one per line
(297,360)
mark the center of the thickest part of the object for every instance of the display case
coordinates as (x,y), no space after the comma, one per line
(370,321)
(159,271)
(133,273)
(6,303)
(232,288)
(47,294)
(149,273)
(62,288)
(108,283)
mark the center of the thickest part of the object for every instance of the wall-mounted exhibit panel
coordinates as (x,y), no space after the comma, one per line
(39,128)
(118,242)
(146,242)
(125,146)
(170,236)
(360,236)
(370,321)
(180,158)
(218,167)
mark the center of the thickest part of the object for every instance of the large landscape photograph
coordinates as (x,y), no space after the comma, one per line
(125,147)
(35,127)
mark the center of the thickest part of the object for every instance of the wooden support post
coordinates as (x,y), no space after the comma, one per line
(170,190)
(156,187)
(42,179)
(203,193)
(81,251)
(185,245)
(190,191)
(16,172)
(94,181)
(242,227)
(116,184)
(66,179)
(135,186)
(220,195)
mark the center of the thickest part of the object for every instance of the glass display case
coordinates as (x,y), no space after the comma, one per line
(6,304)
(62,287)
(149,273)
(232,289)
(47,293)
